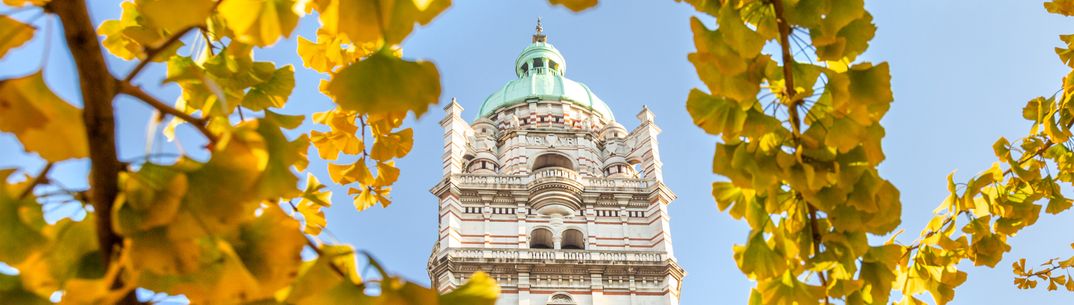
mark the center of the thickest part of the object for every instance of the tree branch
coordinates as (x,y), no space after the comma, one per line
(98,91)
(137,92)
(153,52)
(39,179)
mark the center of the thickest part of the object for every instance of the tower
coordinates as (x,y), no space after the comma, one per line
(545,191)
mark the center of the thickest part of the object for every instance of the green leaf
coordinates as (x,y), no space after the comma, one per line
(272,92)
(12,292)
(757,260)
(13,34)
(21,222)
(717,116)
(150,198)
(71,252)
(43,122)
(385,83)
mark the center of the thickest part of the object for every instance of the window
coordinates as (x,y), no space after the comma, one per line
(552,160)
(541,239)
(538,63)
(525,68)
(553,65)
(573,239)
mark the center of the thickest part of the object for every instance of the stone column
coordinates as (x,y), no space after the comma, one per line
(647,148)
(456,131)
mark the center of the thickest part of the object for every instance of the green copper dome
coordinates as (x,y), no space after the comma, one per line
(540,69)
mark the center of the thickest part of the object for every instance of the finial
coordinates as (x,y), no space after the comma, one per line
(539,36)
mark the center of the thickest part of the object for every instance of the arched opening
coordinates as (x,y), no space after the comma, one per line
(552,160)
(561,299)
(541,239)
(573,240)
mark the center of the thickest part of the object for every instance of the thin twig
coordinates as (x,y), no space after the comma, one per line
(151,53)
(199,123)
(42,176)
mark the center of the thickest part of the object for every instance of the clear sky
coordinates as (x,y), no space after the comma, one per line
(961,72)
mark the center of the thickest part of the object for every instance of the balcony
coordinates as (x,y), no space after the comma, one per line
(553,256)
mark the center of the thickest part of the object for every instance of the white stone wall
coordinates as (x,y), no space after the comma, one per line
(492,198)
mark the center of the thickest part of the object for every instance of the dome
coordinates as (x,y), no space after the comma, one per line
(540,69)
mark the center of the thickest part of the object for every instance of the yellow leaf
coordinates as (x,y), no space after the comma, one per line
(13,34)
(259,22)
(393,145)
(365,198)
(480,289)
(12,292)
(43,122)
(150,198)
(270,247)
(319,283)
(129,36)
(385,83)
(575,5)
(387,173)
(385,22)
(1061,7)
(174,16)
(72,248)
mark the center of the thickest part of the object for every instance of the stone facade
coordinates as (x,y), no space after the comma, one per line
(556,201)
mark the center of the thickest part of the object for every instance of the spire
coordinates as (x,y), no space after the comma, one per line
(539,36)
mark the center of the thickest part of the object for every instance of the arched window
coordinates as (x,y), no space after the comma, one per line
(541,239)
(552,160)
(561,299)
(573,239)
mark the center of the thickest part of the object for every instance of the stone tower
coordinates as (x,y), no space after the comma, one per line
(552,197)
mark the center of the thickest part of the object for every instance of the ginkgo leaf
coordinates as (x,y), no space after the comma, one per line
(43,122)
(757,259)
(1062,7)
(13,34)
(364,198)
(21,222)
(319,282)
(72,251)
(385,83)
(270,247)
(150,198)
(718,116)
(220,278)
(130,35)
(393,145)
(12,291)
(173,16)
(259,22)
(385,22)
(575,5)
(480,289)
(273,92)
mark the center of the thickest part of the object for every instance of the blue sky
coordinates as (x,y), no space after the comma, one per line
(961,71)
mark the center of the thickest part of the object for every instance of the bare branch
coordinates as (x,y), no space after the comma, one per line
(137,92)
(39,179)
(151,53)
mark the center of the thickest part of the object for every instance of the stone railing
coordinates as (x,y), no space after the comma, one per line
(521,181)
(551,255)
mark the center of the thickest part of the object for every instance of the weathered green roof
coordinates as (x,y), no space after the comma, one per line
(544,83)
